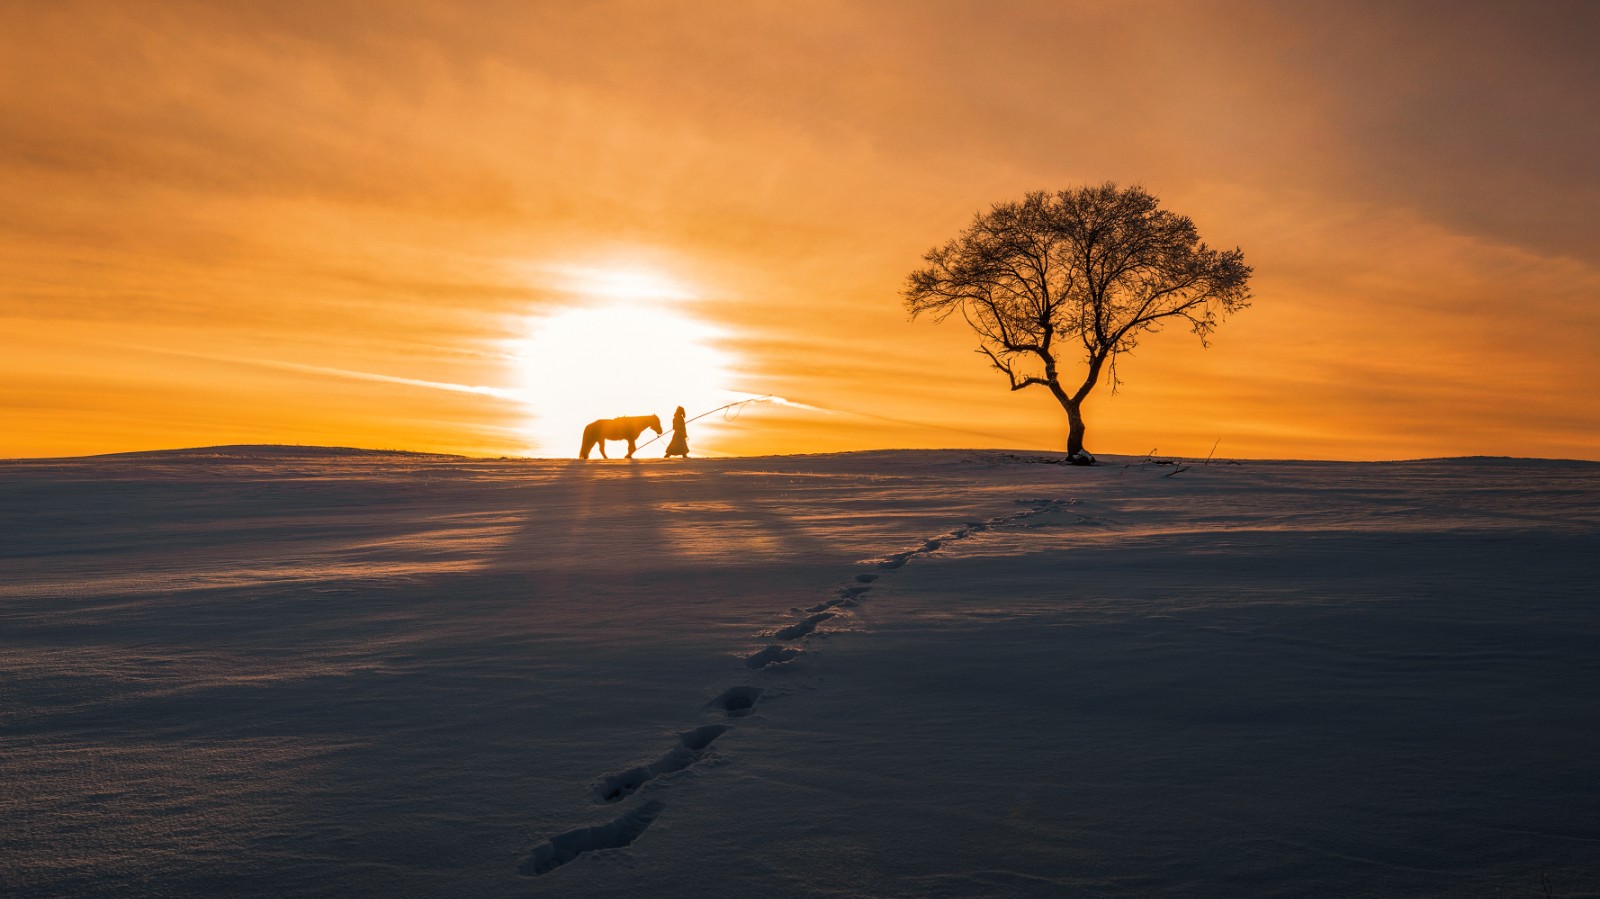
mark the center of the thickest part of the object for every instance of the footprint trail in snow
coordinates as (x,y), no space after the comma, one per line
(690,749)
(739,701)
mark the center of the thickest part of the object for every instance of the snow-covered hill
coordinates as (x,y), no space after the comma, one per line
(281,671)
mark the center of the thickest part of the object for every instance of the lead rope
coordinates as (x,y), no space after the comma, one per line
(735,405)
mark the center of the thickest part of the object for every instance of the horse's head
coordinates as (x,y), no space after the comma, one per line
(655,422)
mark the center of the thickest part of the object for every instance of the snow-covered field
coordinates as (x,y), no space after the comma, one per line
(275,672)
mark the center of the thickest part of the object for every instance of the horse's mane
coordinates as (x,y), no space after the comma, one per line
(634,421)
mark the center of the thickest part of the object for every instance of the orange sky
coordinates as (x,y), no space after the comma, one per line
(355,223)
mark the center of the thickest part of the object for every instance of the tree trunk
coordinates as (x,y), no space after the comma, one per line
(1074,427)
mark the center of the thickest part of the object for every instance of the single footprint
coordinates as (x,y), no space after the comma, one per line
(771,655)
(736,702)
(896,561)
(615,834)
(847,598)
(691,747)
(802,627)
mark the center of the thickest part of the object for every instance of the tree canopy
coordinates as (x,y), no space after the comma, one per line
(1077,274)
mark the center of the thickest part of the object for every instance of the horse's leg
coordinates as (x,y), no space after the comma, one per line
(630,447)
(602,444)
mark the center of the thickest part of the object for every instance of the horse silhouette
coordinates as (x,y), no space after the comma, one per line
(628,428)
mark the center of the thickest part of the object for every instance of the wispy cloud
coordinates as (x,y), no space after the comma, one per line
(281,365)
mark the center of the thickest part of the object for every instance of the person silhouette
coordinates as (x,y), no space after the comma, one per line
(680,436)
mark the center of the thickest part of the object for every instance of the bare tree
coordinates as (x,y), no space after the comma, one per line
(1091,270)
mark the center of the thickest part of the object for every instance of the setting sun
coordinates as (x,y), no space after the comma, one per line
(627,357)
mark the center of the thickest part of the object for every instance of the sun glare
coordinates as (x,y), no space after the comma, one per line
(605,282)
(623,358)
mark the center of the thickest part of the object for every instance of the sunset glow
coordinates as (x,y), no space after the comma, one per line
(626,358)
(313,223)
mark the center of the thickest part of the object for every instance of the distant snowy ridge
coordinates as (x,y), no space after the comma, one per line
(991,455)
(269,451)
